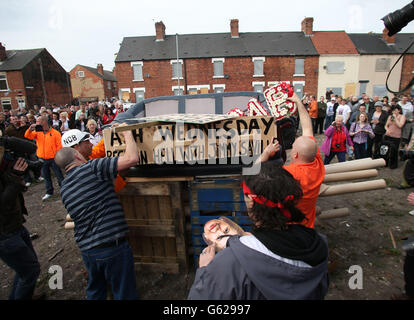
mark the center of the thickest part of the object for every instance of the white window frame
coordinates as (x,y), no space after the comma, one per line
(215,86)
(213,60)
(2,103)
(21,99)
(81,74)
(177,88)
(198,87)
(180,61)
(273,83)
(5,78)
(300,74)
(258,59)
(134,90)
(262,83)
(109,85)
(137,63)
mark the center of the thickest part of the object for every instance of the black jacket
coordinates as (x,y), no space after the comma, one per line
(12,206)
(241,273)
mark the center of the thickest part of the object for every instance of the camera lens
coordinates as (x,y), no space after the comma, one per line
(398,19)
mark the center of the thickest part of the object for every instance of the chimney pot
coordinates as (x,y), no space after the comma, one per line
(159,31)
(100,69)
(387,38)
(3,55)
(234,28)
(307,26)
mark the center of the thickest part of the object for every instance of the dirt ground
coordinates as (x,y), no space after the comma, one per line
(363,238)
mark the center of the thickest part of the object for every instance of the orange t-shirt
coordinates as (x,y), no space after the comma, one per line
(313,109)
(98,151)
(310,176)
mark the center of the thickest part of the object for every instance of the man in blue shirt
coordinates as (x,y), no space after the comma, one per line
(88,195)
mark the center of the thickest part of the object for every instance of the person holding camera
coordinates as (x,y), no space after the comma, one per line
(16,249)
(392,136)
(337,141)
(48,143)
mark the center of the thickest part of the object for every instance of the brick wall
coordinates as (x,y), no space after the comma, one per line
(16,87)
(87,87)
(200,72)
(56,81)
(406,72)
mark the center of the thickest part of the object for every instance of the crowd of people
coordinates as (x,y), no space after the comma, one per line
(361,127)
(281,200)
(89,117)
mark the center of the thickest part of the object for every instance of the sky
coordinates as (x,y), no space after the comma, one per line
(89,32)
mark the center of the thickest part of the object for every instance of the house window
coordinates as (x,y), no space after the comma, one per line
(192,91)
(219,88)
(195,89)
(139,94)
(299,67)
(6,104)
(3,82)
(178,91)
(258,86)
(137,71)
(177,69)
(21,103)
(382,65)
(109,85)
(337,91)
(81,74)
(258,66)
(218,67)
(335,67)
(380,91)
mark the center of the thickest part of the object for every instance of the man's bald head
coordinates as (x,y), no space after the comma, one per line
(65,157)
(304,150)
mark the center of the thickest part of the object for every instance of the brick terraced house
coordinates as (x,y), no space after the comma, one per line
(92,84)
(31,77)
(148,66)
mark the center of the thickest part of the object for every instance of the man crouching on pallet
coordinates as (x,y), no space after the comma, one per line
(305,165)
(88,195)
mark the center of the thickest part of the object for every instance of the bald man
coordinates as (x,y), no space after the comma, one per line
(88,195)
(305,165)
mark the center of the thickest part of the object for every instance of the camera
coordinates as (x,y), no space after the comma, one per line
(398,19)
(15,148)
(406,154)
(38,128)
(337,145)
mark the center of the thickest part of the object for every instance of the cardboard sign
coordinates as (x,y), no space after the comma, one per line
(241,139)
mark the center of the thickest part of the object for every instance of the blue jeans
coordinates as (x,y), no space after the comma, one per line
(16,250)
(340,155)
(360,150)
(328,121)
(47,164)
(114,265)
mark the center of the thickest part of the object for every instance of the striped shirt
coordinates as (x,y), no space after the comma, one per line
(88,195)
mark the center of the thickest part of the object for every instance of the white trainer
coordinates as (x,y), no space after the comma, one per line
(46,196)
(28,184)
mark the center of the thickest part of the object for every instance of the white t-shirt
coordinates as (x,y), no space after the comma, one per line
(345,111)
(408,107)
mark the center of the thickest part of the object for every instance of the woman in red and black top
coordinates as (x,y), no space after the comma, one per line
(108,117)
(336,142)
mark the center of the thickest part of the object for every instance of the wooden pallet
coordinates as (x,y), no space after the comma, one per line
(154,212)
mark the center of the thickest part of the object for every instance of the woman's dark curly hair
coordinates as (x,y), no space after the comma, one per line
(275,184)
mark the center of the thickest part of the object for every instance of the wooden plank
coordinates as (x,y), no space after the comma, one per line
(157,179)
(154,214)
(179,216)
(145,189)
(155,231)
(155,259)
(143,222)
(158,267)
